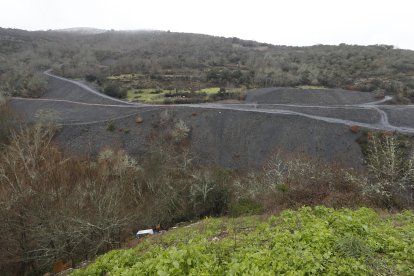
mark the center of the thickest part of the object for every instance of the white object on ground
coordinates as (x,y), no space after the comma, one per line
(145,232)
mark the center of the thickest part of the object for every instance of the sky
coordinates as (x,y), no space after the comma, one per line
(288,22)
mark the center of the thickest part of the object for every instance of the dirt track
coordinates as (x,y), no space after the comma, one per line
(233,135)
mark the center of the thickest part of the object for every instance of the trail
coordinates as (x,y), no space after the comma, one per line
(382,124)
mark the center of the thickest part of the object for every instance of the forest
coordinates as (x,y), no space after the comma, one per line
(189,62)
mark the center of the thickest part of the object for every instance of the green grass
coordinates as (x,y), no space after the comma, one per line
(311,87)
(147,95)
(154,95)
(209,91)
(318,240)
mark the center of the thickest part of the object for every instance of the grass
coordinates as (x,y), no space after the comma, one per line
(319,240)
(157,96)
(147,95)
(141,88)
(211,90)
(311,87)
(124,77)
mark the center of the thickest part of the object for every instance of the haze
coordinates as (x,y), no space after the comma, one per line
(278,22)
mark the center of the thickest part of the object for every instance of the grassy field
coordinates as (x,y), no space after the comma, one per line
(319,240)
(168,89)
(159,96)
(147,95)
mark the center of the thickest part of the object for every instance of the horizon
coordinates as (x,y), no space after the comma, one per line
(69,29)
(293,23)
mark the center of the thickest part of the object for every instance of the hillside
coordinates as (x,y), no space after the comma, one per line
(308,241)
(107,133)
(189,62)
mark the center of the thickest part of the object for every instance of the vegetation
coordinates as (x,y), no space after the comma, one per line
(391,169)
(163,96)
(71,209)
(6,119)
(56,208)
(191,62)
(112,89)
(318,240)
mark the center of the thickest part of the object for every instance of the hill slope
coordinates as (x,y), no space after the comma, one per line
(308,241)
(189,61)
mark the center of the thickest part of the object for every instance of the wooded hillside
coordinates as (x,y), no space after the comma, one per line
(188,60)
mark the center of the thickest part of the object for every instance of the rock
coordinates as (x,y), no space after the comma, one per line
(139,120)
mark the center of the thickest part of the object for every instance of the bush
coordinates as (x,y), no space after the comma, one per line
(290,182)
(110,126)
(91,78)
(112,89)
(180,131)
(209,194)
(245,207)
(391,170)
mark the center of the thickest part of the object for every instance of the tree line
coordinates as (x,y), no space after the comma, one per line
(217,60)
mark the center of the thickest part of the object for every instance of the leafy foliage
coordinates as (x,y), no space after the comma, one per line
(316,240)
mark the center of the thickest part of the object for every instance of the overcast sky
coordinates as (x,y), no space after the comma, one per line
(289,22)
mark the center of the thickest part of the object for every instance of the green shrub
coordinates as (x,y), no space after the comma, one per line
(110,126)
(113,89)
(353,246)
(245,207)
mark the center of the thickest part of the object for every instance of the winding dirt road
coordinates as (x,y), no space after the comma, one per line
(360,111)
(243,135)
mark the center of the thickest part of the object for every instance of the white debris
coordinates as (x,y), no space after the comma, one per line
(141,233)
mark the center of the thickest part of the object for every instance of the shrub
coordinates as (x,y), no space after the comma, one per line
(90,78)
(112,89)
(180,131)
(209,194)
(48,118)
(290,182)
(391,170)
(110,126)
(245,207)
(353,246)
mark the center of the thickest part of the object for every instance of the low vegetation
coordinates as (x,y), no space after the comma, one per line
(160,96)
(56,208)
(317,240)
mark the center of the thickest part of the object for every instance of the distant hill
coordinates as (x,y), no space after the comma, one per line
(192,60)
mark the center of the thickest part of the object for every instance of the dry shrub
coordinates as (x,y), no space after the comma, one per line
(58,208)
(390,164)
(286,182)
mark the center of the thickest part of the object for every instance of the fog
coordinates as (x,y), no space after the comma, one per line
(294,22)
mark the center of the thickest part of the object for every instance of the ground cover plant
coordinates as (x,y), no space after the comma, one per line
(307,241)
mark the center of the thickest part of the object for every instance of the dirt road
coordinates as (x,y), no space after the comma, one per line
(236,135)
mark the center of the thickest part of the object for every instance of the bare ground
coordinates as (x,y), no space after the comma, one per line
(311,122)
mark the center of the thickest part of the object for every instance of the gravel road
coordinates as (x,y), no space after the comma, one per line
(314,122)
